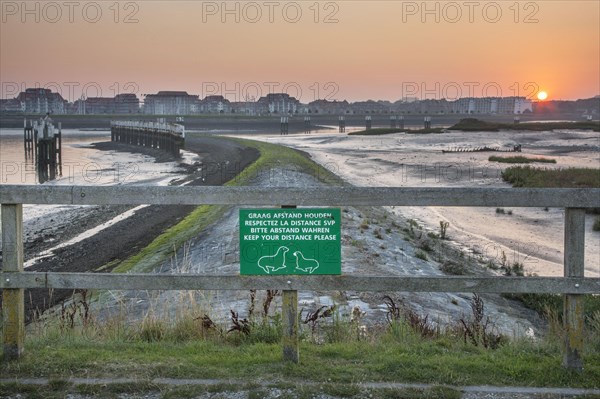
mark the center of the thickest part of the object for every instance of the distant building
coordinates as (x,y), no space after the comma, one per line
(171,103)
(491,105)
(278,103)
(99,105)
(11,105)
(327,107)
(215,105)
(522,105)
(121,104)
(42,101)
(126,103)
(423,107)
(244,107)
(370,107)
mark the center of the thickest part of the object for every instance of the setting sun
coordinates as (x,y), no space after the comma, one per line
(542,95)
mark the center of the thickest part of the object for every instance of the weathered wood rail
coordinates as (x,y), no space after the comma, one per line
(13,279)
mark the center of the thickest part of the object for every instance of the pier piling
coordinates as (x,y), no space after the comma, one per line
(285,124)
(162,136)
(342,124)
(427,122)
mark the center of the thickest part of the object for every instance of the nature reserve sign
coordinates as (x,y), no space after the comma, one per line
(290,241)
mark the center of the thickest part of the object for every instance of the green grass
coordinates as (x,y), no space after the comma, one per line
(553,303)
(275,156)
(520,159)
(383,131)
(393,357)
(596,225)
(527,176)
(166,244)
(183,347)
(476,125)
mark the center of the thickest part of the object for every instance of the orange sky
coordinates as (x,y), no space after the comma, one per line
(376,49)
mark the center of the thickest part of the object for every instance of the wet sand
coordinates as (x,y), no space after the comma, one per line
(532,236)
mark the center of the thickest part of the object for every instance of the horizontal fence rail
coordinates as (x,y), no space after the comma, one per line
(540,285)
(13,280)
(310,196)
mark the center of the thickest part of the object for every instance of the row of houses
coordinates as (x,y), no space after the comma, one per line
(41,101)
(182,103)
(472,105)
(38,101)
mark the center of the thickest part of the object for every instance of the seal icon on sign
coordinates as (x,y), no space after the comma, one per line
(304,264)
(275,262)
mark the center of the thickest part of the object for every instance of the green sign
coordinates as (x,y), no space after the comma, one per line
(290,241)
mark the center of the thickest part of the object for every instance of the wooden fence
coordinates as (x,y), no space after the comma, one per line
(573,285)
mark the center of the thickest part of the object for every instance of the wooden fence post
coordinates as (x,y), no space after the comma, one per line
(573,316)
(13,303)
(289,319)
(291,351)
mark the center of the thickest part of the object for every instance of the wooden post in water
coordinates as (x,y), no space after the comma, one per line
(289,320)
(427,122)
(307,125)
(342,123)
(13,301)
(368,122)
(58,144)
(285,125)
(573,316)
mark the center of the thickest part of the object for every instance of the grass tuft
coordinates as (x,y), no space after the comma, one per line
(520,159)
(526,176)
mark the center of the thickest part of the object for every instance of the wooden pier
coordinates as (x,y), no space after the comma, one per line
(168,137)
(29,139)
